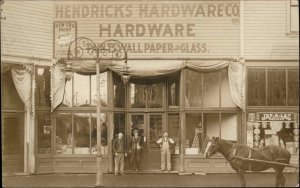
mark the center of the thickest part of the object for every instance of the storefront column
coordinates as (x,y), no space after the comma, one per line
(110,115)
(182,120)
(29,155)
(32,125)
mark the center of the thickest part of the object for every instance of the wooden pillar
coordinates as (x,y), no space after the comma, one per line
(110,117)
(182,120)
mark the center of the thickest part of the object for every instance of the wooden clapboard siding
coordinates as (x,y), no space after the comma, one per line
(265,31)
(220,34)
(27,29)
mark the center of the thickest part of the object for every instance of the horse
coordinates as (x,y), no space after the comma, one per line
(270,153)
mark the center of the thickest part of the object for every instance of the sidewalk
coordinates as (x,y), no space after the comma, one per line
(146,180)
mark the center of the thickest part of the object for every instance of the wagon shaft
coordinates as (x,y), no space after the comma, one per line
(269,162)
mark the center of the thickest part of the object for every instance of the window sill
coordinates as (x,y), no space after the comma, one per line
(292,35)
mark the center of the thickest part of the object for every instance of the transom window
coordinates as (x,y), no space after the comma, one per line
(273,87)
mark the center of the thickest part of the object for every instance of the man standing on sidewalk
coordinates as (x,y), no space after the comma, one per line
(165,143)
(119,152)
(136,144)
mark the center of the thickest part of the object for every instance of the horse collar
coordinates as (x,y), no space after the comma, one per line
(230,156)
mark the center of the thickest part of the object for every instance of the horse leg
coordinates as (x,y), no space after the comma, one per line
(277,179)
(242,177)
(280,180)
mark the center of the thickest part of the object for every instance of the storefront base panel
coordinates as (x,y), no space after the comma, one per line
(78,165)
(207,165)
(44,164)
(12,164)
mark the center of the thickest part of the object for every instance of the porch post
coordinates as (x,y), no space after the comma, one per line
(182,127)
(99,181)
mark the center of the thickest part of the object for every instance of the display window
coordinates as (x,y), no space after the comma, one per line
(278,128)
(42,94)
(119,92)
(44,131)
(174,131)
(77,133)
(207,90)
(203,126)
(273,87)
(146,96)
(173,91)
(81,91)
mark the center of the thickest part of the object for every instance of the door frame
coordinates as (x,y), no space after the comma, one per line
(145,161)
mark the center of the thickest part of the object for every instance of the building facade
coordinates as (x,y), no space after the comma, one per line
(198,69)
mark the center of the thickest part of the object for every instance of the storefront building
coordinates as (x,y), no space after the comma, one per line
(197,69)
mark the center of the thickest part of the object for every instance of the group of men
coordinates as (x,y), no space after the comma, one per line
(136,144)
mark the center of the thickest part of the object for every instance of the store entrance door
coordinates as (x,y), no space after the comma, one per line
(12,129)
(150,126)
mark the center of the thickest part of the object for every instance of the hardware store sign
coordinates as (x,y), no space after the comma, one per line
(158,28)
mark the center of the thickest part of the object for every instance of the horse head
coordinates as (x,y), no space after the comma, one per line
(212,147)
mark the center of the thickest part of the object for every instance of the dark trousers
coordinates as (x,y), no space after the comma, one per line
(135,159)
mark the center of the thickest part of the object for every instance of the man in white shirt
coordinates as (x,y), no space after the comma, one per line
(165,143)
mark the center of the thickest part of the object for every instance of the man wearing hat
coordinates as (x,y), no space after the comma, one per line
(165,144)
(135,144)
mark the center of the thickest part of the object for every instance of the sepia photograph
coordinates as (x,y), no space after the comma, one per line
(149,93)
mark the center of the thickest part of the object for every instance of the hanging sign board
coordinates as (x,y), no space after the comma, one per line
(278,116)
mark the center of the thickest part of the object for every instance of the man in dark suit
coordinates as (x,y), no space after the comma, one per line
(119,153)
(136,144)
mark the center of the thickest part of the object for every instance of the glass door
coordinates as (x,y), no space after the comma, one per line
(150,127)
(154,130)
(137,121)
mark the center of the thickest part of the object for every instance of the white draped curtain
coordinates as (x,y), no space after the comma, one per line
(154,69)
(22,79)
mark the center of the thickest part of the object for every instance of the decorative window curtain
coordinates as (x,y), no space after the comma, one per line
(22,80)
(154,69)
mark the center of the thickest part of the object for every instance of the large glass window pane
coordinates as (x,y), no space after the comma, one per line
(137,122)
(155,130)
(229,126)
(12,135)
(193,91)
(293,87)
(146,94)
(256,87)
(119,124)
(155,93)
(173,91)
(276,87)
(104,129)
(81,131)
(64,136)
(103,89)
(42,91)
(44,131)
(67,102)
(138,95)
(212,125)
(194,133)
(174,131)
(10,98)
(226,100)
(81,90)
(119,92)
(211,89)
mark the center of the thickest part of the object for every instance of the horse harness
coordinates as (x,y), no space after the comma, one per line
(232,153)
